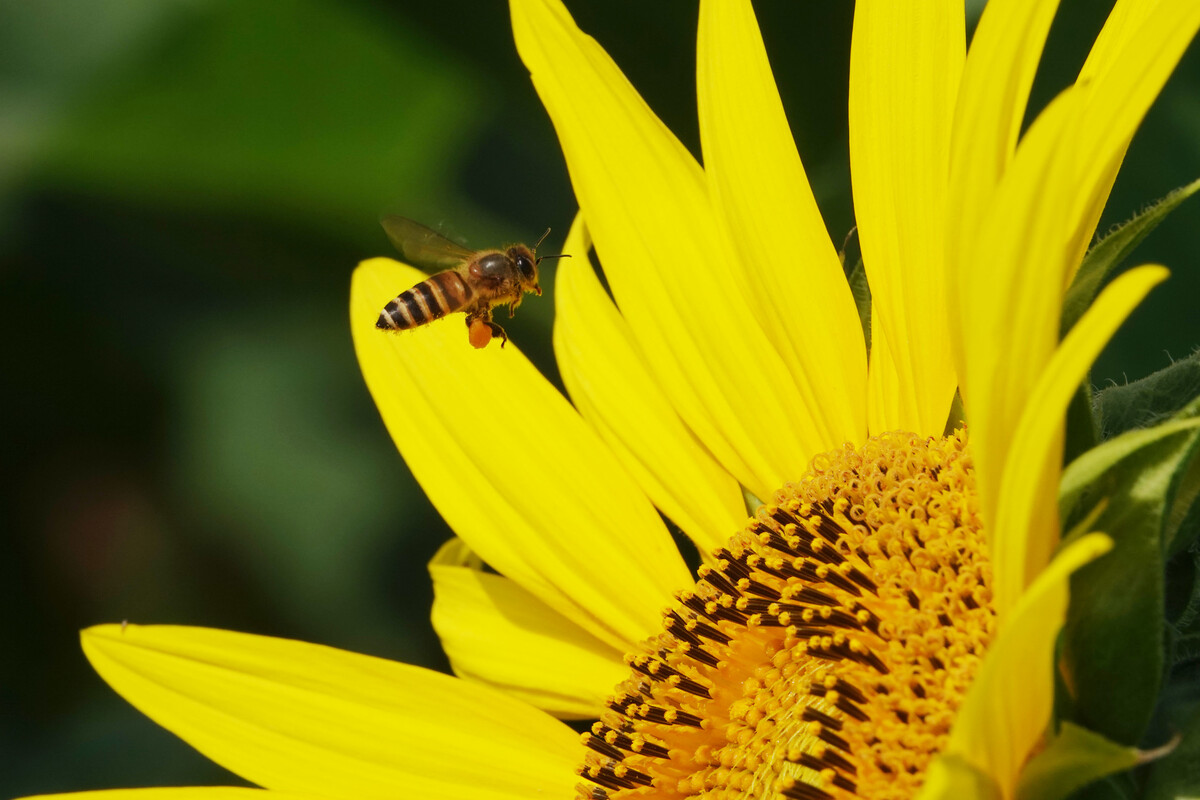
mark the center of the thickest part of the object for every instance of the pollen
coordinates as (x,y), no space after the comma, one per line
(824,651)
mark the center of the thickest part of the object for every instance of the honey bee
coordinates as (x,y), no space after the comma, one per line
(473,281)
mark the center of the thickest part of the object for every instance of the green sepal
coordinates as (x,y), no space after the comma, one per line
(1177,775)
(753,504)
(1083,429)
(1113,640)
(1183,604)
(1081,484)
(1113,249)
(1171,392)
(1071,760)
(856,276)
(1183,523)
(1149,401)
(1179,700)
(957,415)
(1121,786)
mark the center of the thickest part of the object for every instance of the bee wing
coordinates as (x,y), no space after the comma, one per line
(422,246)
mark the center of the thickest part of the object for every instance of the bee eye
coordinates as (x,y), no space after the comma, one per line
(526,266)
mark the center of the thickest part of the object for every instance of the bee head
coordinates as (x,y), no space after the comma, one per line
(527,264)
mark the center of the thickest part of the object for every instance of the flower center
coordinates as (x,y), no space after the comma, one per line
(824,652)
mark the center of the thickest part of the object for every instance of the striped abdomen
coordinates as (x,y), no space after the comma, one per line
(432,298)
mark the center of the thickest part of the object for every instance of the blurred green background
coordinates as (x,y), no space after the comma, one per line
(185,186)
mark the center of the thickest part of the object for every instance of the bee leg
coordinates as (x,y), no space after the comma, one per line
(479,331)
(498,333)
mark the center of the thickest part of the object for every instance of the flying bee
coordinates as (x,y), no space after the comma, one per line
(473,281)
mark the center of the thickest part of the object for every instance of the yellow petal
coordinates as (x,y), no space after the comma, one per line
(646,202)
(760,190)
(514,470)
(952,778)
(905,65)
(1007,707)
(883,388)
(496,633)
(1026,521)
(1003,58)
(1123,21)
(311,719)
(612,386)
(1011,298)
(1135,54)
(178,793)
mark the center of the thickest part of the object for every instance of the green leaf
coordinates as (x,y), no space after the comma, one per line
(1112,250)
(1071,760)
(1113,641)
(1178,774)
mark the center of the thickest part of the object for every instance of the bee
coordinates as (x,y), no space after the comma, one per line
(473,281)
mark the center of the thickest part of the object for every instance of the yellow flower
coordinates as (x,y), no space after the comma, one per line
(736,361)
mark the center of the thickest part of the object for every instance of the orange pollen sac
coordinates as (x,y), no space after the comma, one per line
(824,652)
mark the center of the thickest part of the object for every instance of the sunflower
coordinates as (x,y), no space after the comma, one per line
(883,625)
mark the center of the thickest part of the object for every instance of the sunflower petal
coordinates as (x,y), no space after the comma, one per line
(178,793)
(905,65)
(1011,297)
(998,73)
(646,202)
(612,386)
(1135,54)
(1007,707)
(953,778)
(1122,23)
(1026,522)
(495,632)
(762,193)
(315,720)
(554,511)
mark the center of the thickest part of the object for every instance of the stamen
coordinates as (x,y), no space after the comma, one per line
(825,650)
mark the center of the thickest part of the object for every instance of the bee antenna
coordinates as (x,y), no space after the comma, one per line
(560,255)
(539,241)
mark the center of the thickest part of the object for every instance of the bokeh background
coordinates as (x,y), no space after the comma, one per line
(185,186)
